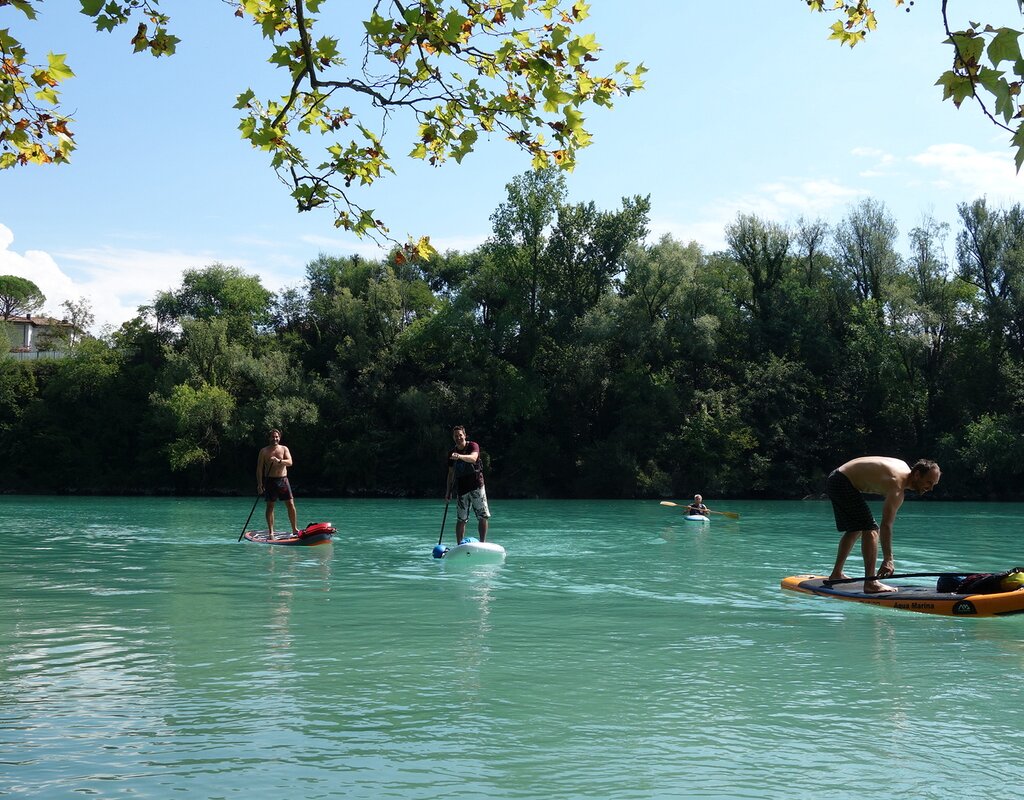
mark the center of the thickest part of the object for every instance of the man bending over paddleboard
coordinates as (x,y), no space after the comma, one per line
(273,462)
(888,477)
(467,474)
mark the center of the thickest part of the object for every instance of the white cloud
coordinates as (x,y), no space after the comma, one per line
(39,268)
(781,201)
(942,175)
(709,234)
(799,197)
(114,282)
(972,173)
(117,280)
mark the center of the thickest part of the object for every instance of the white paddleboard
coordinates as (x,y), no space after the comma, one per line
(471,548)
(697,518)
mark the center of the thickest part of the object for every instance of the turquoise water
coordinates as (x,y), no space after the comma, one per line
(619,652)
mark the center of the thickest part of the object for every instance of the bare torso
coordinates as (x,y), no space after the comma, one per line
(274,459)
(877,474)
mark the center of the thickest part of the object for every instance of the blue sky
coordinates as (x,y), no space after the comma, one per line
(746,110)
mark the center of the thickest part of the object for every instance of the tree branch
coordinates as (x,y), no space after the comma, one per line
(968,73)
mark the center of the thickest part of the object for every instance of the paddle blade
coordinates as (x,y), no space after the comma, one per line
(731,514)
(669,503)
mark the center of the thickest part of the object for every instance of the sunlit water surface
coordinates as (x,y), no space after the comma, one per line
(619,652)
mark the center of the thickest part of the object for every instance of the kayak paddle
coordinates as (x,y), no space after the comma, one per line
(729,514)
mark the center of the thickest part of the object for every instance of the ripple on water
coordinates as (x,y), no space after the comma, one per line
(612,655)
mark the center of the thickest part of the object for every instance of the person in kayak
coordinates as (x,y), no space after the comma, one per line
(466,478)
(888,477)
(697,507)
(272,480)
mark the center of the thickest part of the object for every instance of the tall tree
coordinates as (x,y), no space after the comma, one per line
(79,313)
(990,256)
(19,297)
(761,248)
(221,292)
(586,250)
(926,312)
(520,226)
(865,251)
(659,275)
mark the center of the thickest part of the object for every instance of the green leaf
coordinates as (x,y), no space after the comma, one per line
(573,119)
(1018,142)
(59,71)
(1005,46)
(378,26)
(955,86)
(580,47)
(91,7)
(47,95)
(970,48)
(555,98)
(244,98)
(1005,105)
(105,23)
(8,42)
(466,141)
(25,7)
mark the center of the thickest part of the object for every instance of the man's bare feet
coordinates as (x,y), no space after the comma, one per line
(874,587)
(840,576)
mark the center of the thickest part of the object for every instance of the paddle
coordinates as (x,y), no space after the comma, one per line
(729,514)
(258,496)
(890,577)
(438,552)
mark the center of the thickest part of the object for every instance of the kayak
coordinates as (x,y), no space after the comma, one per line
(697,518)
(924,599)
(313,534)
(471,547)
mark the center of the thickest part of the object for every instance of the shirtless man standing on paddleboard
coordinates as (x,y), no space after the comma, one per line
(888,477)
(273,463)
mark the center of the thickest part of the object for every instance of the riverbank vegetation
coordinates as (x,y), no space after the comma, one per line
(587,360)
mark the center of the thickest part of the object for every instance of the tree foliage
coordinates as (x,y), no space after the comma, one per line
(515,68)
(19,297)
(986,61)
(587,361)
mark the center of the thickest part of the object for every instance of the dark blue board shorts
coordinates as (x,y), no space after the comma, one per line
(848,504)
(277,489)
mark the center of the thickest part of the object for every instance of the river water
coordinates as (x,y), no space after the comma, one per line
(618,652)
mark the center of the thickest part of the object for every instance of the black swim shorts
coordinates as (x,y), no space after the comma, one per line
(277,489)
(852,512)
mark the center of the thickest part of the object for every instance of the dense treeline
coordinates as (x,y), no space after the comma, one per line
(586,363)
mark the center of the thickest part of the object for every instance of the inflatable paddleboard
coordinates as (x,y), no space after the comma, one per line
(924,599)
(471,548)
(697,518)
(313,534)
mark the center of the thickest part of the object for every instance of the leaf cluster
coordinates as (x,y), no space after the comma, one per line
(987,65)
(517,69)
